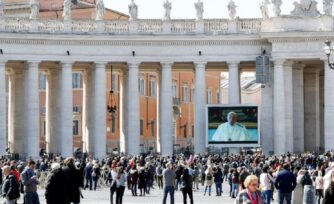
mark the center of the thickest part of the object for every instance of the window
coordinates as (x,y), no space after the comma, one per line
(191,95)
(42,81)
(76,80)
(76,109)
(209,96)
(175,95)
(184,92)
(152,87)
(142,87)
(75,127)
(218,97)
(152,128)
(192,131)
(141,127)
(44,128)
(42,110)
(185,131)
(113,123)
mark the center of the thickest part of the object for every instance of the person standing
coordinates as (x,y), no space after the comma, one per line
(10,189)
(56,185)
(96,173)
(285,183)
(250,194)
(266,183)
(75,180)
(218,179)
(30,182)
(142,181)
(329,193)
(186,186)
(88,176)
(169,183)
(208,180)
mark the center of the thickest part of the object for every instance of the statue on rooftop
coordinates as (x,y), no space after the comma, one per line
(67,9)
(99,10)
(305,8)
(232,9)
(327,7)
(277,7)
(168,8)
(264,9)
(199,10)
(34,9)
(133,10)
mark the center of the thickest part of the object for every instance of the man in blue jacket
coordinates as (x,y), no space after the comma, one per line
(285,183)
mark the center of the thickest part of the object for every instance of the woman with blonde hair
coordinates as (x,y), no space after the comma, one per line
(208,180)
(250,195)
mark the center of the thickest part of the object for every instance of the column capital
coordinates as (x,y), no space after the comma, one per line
(33,63)
(232,62)
(200,64)
(279,62)
(100,65)
(133,64)
(166,64)
(66,64)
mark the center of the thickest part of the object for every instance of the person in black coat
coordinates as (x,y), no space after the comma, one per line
(75,177)
(329,193)
(142,181)
(56,190)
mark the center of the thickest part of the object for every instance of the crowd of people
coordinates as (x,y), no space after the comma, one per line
(255,179)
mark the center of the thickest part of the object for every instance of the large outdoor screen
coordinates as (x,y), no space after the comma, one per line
(232,126)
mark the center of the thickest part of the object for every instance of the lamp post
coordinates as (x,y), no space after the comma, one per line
(328,50)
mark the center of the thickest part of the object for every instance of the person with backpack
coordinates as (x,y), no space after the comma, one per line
(208,180)
(10,188)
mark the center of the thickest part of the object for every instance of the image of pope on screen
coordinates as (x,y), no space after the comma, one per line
(231,130)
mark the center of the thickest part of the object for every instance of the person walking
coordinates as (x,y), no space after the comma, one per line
(96,174)
(142,181)
(88,176)
(235,183)
(169,183)
(56,186)
(112,175)
(250,194)
(285,183)
(319,186)
(186,186)
(158,173)
(30,182)
(134,180)
(120,185)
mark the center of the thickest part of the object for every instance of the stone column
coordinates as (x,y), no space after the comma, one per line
(199,105)
(279,108)
(267,117)
(3,120)
(133,109)
(234,83)
(311,110)
(11,109)
(51,135)
(298,107)
(329,107)
(99,107)
(123,112)
(65,107)
(234,97)
(32,110)
(166,109)
(87,130)
(288,91)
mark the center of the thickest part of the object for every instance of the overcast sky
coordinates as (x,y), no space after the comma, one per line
(186,9)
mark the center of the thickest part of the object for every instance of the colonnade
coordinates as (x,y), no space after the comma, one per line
(282,111)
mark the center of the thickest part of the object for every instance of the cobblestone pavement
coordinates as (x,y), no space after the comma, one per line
(101,196)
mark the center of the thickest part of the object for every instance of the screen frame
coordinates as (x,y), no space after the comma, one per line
(258,144)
